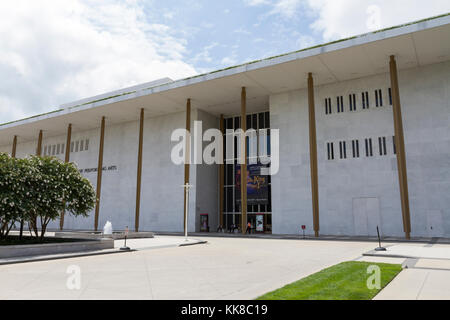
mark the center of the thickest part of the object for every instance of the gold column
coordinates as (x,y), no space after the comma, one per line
(187,155)
(243,161)
(400,145)
(99,172)
(39,145)
(67,159)
(313,155)
(14,147)
(221,176)
(139,171)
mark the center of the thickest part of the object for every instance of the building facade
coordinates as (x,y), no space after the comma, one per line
(364,141)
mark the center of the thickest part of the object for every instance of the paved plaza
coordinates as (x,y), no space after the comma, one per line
(223,268)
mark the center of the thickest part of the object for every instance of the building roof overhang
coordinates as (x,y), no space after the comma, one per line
(416,44)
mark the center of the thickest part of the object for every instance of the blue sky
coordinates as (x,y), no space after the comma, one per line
(55,52)
(223,33)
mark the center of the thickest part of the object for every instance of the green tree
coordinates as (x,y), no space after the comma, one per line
(15,201)
(54,186)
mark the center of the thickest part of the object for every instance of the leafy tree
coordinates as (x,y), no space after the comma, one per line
(14,194)
(55,186)
(38,189)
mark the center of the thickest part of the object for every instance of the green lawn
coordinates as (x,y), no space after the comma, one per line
(344,281)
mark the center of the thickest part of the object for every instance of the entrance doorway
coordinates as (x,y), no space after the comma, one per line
(259,195)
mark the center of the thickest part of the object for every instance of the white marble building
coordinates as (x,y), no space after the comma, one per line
(358,188)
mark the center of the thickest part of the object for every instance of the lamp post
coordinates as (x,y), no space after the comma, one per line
(186,187)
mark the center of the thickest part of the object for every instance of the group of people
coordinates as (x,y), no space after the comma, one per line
(233,227)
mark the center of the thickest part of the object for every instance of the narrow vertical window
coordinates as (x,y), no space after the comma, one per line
(382,146)
(328,109)
(352,102)
(82,145)
(330,150)
(58,148)
(77,144)
(53,150)
(86,145)
(355,148)
(340,104)
(71,146)
(378,98)
(390,96)
(393,145)
(45,150)
(365,100)
(369,150)
(62,148)
(343,150)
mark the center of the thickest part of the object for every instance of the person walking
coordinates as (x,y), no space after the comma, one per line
(249,228)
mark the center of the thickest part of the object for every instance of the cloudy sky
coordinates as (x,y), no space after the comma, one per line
(53,52)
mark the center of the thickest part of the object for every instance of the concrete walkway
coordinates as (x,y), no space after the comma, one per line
(224,268)
(426,273)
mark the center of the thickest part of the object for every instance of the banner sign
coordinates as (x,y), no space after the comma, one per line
(257,185)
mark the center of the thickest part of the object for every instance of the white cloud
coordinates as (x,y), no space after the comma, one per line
(54,52)
(343,18)
(256,2)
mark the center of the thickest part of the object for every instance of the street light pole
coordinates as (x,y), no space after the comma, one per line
(186,187)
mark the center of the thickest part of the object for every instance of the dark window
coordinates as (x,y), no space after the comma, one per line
(330,150)
(71,146)
(355,148)
(229,123)
(237,122)
(382,146)
(352,102)
(393,145)
(62,148)
(86,145)
(261,121)
(365,100)
(378,98)
(340,104)
(390,96)
(343,150)
(267,119)
(369,150)
(328,109)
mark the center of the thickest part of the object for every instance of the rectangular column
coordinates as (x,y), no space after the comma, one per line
(221,176)
(99,173)
(67,159)
(39,145)
(243,161)
(187,156)
(313,155)
(14,147)
(139,171)
(400,145)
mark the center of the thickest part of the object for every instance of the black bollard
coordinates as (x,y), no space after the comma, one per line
(380,248)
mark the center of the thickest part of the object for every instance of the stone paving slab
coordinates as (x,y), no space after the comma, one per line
(418,284)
